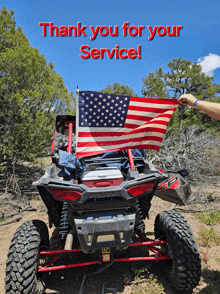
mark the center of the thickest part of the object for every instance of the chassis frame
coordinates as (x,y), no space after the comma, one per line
(150,245)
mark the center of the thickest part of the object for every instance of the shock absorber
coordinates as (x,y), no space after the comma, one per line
(64,223)
(140,228)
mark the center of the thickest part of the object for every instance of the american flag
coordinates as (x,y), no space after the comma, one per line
(114,122)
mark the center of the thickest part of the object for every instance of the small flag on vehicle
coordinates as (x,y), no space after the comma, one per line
(114,122)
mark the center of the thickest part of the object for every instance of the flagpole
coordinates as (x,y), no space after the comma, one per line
(77,126)
(77,115)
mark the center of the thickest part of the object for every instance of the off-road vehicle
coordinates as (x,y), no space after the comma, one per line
(99,205)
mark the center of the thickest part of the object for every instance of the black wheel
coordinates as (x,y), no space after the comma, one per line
(23,259)
(184,268)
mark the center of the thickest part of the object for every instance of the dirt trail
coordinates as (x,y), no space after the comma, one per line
(119,278)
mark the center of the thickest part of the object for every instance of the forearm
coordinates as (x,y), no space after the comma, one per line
(210,108)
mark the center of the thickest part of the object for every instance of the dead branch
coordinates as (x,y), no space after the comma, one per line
(20,208)
(193,149)
(103,289)
(187,210)
(82,284)
(12,182)
(12,220)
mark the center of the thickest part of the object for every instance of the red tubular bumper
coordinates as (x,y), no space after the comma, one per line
(58,253)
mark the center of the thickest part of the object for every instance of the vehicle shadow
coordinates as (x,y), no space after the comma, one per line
(212,280)
(119,278)
(123,277)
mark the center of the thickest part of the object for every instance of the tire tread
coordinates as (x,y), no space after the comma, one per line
(22,262)
(185,271)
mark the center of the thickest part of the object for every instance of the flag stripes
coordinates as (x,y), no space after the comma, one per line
(115,123)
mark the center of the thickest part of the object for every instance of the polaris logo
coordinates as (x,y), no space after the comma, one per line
(105,195)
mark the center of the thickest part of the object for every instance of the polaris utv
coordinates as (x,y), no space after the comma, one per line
(99,204)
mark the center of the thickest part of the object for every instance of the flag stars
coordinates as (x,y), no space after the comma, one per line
(102,110)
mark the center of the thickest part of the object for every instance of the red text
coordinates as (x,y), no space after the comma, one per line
(133,31)
(162,31)
(104,31)
(115,52)
(63,31)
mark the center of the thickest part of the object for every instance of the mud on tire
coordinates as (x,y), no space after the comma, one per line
(184,269)
(23,259)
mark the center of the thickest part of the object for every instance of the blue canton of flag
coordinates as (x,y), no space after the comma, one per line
(102,110)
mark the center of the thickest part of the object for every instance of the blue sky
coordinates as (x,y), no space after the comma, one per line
(199,39)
